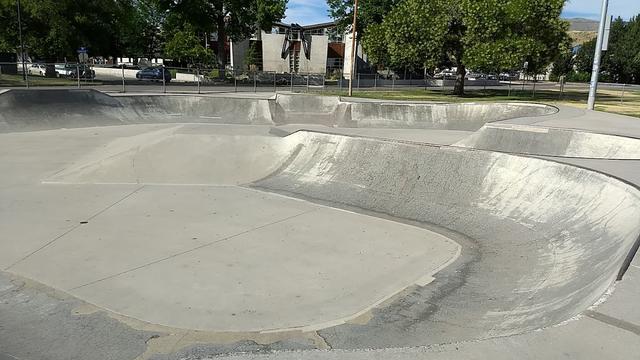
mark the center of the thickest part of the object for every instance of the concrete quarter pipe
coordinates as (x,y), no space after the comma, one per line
(188,213)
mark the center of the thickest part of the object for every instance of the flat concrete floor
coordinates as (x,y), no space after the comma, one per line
(191,255)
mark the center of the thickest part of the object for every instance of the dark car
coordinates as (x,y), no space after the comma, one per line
(154,73)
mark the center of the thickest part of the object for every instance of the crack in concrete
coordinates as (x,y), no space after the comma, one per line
(609,320)
(50,242)
(192,249)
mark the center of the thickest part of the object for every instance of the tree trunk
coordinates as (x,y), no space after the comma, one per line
(458,89)
(222,53)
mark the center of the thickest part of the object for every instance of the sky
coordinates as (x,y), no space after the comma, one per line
(305,12)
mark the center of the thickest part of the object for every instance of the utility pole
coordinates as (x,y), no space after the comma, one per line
(593,88)
(24,69)
(353,47)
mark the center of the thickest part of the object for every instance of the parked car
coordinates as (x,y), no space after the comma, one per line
(64,70)
(446,74)
(507,76)
(86,72)
(154,73)
(37,69)
(475,76)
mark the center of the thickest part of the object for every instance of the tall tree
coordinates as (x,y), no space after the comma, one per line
(186,48)
(54,29)
(140,24)
(233,19)
(621,62)
(584,57)
(486,35)
(503,35)
(370,12)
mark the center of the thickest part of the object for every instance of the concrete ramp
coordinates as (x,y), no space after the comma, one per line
(551,237)
(306,109)
(29,110)
(336,112)
(466,116)
(535,140)
(179,155)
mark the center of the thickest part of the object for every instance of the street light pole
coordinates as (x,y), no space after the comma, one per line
(24,70)
(593,88)
(353,47)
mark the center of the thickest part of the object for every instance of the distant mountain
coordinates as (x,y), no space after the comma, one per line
(580,24)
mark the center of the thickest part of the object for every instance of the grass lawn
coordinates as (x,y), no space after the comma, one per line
(17,81)
(607,100)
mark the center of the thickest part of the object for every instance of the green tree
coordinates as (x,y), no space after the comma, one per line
(370,12)
(185,47)
(620,61)
(251,57)
(584,57)
(140,24)
(375,43)
(503,35)
(54,29)
(234,19)
(486,35)
(563,65)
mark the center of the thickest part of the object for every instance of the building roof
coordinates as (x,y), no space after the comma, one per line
(308,27)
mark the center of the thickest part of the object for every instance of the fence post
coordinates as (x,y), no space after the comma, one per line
(324,79)
(255,81)
(393,81)
(307,82)
(164,88)
(534,86)
(291,82)
(340,82)
(123,87)
(78,74)
(235,81)
(375,81)
(25,72)
(275,89)
(198,78)
(358,87)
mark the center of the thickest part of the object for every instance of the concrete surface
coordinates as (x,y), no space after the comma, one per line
(195,227)
(536,140)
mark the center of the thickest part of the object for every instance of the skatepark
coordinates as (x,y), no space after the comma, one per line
(297,226)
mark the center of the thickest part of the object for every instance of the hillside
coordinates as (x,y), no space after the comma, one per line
(581,37)
(580,24)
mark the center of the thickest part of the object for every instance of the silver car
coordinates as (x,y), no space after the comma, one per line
(37,69)
(64,70)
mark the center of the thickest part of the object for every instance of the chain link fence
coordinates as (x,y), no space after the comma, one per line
(190,80)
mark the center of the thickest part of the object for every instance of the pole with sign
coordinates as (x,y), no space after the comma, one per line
(83,55)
